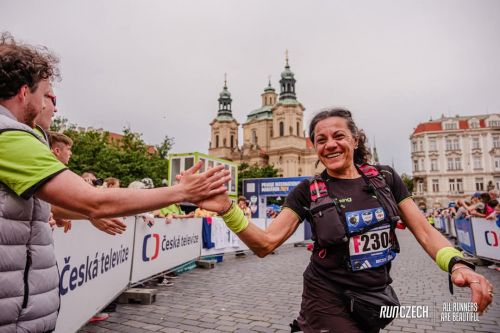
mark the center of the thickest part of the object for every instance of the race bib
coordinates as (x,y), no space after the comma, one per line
(361,219)
(371,249)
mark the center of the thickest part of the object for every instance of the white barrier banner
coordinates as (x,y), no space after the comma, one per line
(225,241)
(94,268)
(486,238)
(163,246)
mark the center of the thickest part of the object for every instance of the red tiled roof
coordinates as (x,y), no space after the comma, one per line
(436,125)
(428,127)
(118,137)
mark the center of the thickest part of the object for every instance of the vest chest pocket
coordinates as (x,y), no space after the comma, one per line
(327,224)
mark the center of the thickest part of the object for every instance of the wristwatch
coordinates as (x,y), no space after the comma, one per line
(456,260)
(453,261)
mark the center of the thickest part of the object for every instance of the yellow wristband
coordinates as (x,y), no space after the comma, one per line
(444,256)
(235,220)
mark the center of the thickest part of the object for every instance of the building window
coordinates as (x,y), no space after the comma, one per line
(456,185)
(474,124)
(497,163)
(420,186)
(496,142)
(216,141)
(415,165)
(454,163)
(448,144)
(254,137)
(422,165)
(282,128)
(450,126)
(435,185)
(432,145)
(477,162)
(232,141)
(414,146)
(494,123)
(224,142)
(450,163)
(452,184)
(434,165)
(421,145)
(460,185)
(475,143)
(298,129)
(452,144)
(479,184)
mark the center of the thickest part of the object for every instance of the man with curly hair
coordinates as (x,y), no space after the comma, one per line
(31,178)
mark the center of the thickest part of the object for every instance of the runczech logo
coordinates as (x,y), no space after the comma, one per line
(145,247)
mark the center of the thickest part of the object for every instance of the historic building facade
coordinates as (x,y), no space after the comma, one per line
(455,157)
(272,134)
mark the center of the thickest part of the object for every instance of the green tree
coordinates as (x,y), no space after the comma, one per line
(246,171)
(127,158)
(58,124)
(408,180)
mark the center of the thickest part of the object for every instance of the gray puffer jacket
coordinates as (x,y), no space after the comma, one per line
(29,279)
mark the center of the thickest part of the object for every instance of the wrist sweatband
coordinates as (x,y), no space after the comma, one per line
(235,220)
(444,256)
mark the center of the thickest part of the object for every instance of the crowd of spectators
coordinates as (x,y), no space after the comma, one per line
(480,204)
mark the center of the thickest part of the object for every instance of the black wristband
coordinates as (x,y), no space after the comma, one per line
(453,261)
(456,260)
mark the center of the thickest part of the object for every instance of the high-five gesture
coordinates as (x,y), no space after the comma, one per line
(198,186)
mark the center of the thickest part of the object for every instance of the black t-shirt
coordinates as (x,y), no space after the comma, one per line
(352,196)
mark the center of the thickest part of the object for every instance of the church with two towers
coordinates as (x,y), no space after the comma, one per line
(273,134)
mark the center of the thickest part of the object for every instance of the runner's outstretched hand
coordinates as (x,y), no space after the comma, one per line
(481,288)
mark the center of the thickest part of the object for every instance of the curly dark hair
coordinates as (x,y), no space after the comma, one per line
(361,153)
(23,64)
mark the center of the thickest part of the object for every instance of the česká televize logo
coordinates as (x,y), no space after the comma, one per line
(156,239)
(153,243)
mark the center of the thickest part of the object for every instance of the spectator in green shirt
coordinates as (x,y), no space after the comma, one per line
(30,177)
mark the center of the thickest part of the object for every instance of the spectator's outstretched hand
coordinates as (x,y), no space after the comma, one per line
(110,226)
(52,221)
(198,186)
(66,224)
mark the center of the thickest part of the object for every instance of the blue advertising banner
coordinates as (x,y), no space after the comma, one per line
(256,190)
(465,236)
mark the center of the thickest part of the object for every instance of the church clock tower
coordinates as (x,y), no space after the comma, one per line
(224,129)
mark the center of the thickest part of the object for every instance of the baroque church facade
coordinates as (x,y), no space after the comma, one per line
(273,134)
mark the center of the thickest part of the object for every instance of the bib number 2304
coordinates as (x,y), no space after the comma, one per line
(371,249)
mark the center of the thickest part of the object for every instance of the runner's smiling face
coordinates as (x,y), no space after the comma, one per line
(335,144)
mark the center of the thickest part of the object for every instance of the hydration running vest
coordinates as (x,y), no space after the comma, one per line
(369,232)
